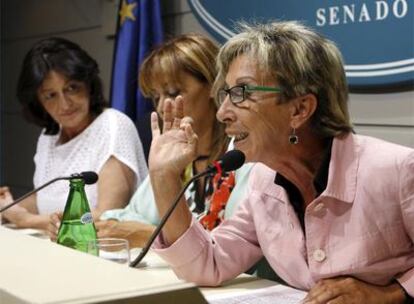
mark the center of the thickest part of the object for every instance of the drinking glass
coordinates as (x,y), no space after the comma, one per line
(113,249)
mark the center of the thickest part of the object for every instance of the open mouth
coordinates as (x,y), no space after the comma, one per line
(240,137)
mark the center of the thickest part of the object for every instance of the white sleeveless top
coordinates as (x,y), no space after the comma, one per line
(112,133)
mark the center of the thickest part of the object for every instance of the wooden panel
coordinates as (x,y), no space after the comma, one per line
(93,41)
(383,109)
(399,135)
(181,24)
(18,148)
(174,7)
(26,18)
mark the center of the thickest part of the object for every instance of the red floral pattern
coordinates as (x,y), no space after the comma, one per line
(216,203)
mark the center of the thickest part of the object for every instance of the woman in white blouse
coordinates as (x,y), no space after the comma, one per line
(60,91)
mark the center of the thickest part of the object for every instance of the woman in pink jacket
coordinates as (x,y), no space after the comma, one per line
(333,212)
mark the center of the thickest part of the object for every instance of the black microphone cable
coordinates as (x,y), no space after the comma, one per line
(89,177)
(154,235)
(230,161)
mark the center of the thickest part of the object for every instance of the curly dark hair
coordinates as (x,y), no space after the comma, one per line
(64,57)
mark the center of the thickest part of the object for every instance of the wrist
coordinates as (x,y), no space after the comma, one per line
(164,177)
(163,172)
(14,214)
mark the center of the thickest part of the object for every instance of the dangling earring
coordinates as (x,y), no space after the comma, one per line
(293,138)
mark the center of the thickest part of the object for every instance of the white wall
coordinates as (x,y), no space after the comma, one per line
(91,23)
(387,116)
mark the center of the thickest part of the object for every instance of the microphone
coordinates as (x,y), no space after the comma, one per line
(89,177)
(232,160)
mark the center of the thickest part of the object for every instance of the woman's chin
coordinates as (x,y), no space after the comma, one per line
(240,145)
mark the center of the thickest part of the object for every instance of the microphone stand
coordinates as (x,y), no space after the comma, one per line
(164,219)
(30,193)
(89,177)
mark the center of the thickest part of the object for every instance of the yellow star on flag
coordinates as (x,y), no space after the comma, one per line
(126,11)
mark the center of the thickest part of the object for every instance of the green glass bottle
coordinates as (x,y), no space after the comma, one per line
(77,227)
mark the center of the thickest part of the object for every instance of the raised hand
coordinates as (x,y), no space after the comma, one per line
(348,290)
(173,148)
(171,151)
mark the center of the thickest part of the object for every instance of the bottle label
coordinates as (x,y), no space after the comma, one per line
(86,218)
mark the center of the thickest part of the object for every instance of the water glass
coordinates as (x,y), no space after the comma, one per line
(113,249)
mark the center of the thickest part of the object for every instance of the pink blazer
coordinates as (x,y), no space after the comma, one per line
(362,225)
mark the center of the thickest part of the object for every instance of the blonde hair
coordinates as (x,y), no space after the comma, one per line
(302,62)
(190,53)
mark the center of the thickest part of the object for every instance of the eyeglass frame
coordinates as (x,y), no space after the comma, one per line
(244,88)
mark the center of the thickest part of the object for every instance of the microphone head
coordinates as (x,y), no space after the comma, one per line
(89,177)
(232,160)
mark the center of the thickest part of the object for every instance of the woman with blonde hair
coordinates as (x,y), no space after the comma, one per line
(183,69)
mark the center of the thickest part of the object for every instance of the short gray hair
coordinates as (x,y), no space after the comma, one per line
(301,61)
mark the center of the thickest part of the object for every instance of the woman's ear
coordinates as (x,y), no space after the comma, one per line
(302,109)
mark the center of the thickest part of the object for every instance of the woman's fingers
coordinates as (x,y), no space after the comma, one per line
(168,115)
(155,127)
(173,113)
(192,138)
(178,111)
(185,122)
(101,228)
(107,228)
(54,224)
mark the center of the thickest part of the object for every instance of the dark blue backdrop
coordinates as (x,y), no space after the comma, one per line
(376,38)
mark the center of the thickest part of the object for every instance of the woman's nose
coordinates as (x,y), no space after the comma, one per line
(223,112)
(64,101)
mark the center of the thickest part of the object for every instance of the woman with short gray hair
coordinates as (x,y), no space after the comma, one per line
(332,211)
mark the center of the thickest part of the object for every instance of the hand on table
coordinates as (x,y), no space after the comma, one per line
(348,290)
(6,198)
(54,224)
(136,233)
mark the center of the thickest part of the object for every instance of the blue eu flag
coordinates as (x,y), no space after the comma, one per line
(139,29)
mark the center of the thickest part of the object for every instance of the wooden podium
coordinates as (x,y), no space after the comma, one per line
(34,270)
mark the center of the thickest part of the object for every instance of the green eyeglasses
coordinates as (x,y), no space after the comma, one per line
(238,93)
